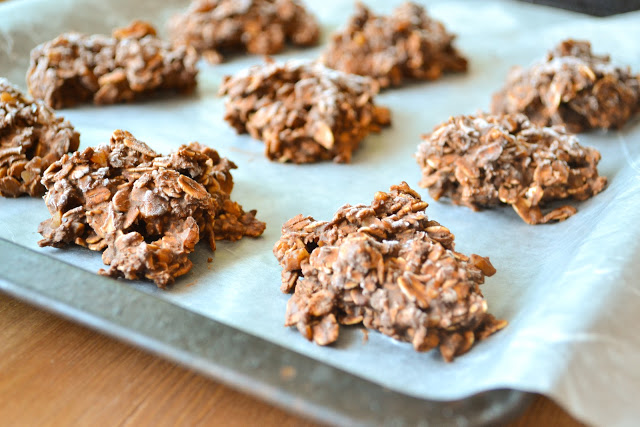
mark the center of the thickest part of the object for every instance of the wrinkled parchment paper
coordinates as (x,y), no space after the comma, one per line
(570,291)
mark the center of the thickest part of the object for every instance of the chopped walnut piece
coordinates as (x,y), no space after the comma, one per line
(76,68)
(408,44)
(218,27)
(571,87)
(146,211)
(389,267)
(31,138)
(484,161)
(304,112)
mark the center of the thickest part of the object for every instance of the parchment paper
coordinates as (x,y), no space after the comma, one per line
(569,290)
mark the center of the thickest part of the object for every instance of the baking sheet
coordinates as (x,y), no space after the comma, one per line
(569,290)
(273,373)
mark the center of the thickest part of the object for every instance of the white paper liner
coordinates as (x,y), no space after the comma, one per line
(570,291)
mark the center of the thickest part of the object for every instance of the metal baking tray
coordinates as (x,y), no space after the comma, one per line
(255,366)
(238,337)
(593,7)
(244,361)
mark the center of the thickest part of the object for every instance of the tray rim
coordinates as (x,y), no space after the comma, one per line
(112,307)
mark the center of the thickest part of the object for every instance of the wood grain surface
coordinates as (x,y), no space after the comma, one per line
(54,372)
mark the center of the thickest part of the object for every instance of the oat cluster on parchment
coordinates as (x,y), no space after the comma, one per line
(483,161)
(31,138)
(146,211)
(388,267)
(302,111)
(571,87)
(76,68)
(408,44)
(218,27)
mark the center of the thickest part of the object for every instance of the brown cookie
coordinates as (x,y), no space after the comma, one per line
(303,112)
(571,87)
(484,161)
(31,138)
(218,27)
(146,211)
(388,267)
(76,68)
(408,44)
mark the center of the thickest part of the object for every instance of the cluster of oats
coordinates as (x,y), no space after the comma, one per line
(304,112)
(31,138)
(484,161)
(146,211)
(389,267)
(408,44)
(217,27)
(571,87)
(75,68)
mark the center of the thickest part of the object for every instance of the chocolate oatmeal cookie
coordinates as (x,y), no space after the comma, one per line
(388,267)
(408,44)
(76,68)
(31,138)
(218,27)
(483,161)
(304,112)
(145,211)
(571,87)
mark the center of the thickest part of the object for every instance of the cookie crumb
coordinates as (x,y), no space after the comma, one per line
(365,335)
(288,373)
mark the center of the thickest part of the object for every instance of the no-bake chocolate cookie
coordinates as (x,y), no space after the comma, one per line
(571,87)
(304,112)
(218,27)
(146,211)
(388,267)
(76,68)
(483,161)
(408,44)
(31,138)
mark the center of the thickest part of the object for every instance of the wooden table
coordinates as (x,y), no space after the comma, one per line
(54,372)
